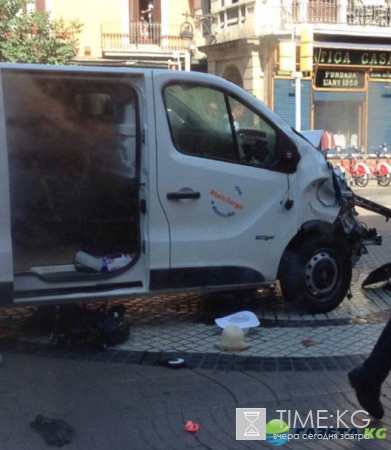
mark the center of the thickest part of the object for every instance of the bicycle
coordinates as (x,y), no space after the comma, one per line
(380,169)
(354,170)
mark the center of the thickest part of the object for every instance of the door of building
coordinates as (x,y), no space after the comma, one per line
(341,113)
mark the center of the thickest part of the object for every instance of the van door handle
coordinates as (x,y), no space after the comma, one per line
(183,195)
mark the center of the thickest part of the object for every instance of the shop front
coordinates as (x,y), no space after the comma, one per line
(348,94)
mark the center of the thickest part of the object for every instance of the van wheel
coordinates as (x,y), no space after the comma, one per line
(316,274)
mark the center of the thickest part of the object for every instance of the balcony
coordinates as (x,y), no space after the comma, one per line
(140,38)
(340,12)
(249,18)
(240,20)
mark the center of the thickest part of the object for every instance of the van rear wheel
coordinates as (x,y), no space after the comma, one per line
(315,276)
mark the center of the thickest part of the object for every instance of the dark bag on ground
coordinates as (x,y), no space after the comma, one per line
(75,325)
(55,431)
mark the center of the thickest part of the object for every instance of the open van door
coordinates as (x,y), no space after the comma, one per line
(71,139)
(6,271)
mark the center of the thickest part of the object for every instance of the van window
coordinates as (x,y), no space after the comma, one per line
(72,148)
(208,123)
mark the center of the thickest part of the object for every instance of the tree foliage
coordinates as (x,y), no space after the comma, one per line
(32,37)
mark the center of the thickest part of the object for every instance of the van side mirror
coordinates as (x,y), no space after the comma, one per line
(288,155)
(288,160)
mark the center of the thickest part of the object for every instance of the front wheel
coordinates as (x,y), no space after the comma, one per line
(384,180)
(316,274)
(362,180)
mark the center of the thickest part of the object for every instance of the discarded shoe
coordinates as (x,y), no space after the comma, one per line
(54,431)
(368,395)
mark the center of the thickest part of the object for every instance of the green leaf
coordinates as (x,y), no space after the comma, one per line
(32,37)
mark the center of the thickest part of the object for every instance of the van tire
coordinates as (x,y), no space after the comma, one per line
(316,274)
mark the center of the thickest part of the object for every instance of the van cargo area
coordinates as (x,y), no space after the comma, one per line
(72,168)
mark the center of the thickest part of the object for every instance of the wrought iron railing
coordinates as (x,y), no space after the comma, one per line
(336,12)
(369,15)
(158,37)
(125,37)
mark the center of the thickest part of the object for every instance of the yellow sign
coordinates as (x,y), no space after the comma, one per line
(287,56)
(306,49)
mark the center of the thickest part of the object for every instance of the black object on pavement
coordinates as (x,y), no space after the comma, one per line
(174,363)
(55,431)
(382,273)
(74,325)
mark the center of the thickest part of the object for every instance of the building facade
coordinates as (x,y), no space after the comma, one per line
(129,32)
(348,93)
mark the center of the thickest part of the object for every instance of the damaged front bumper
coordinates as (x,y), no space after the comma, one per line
(359,236)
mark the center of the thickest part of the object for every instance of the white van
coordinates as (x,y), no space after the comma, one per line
(200,184)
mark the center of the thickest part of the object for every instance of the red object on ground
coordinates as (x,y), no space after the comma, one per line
(191,427)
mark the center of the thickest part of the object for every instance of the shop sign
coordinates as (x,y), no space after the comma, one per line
(377,75)
(339,79)
(352,57)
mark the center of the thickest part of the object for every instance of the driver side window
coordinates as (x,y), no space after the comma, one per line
(199,122)
(207,123)
(256,139)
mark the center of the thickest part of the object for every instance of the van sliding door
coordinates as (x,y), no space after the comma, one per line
(73,146)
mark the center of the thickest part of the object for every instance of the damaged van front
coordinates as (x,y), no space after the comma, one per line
(295,221)
(316,268)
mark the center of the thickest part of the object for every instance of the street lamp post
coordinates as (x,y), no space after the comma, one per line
(287,63)
(298,77)
(187,36)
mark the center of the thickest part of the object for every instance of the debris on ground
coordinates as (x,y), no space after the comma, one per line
(380,275)
(74,325)
(310,342)
(191,427)
(232,339)
(242,319)
(175,363)
(55,431)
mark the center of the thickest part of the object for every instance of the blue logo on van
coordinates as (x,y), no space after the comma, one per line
(221,214)
(227,201)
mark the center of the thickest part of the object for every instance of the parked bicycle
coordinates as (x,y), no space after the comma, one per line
(379,167)
(355,170)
